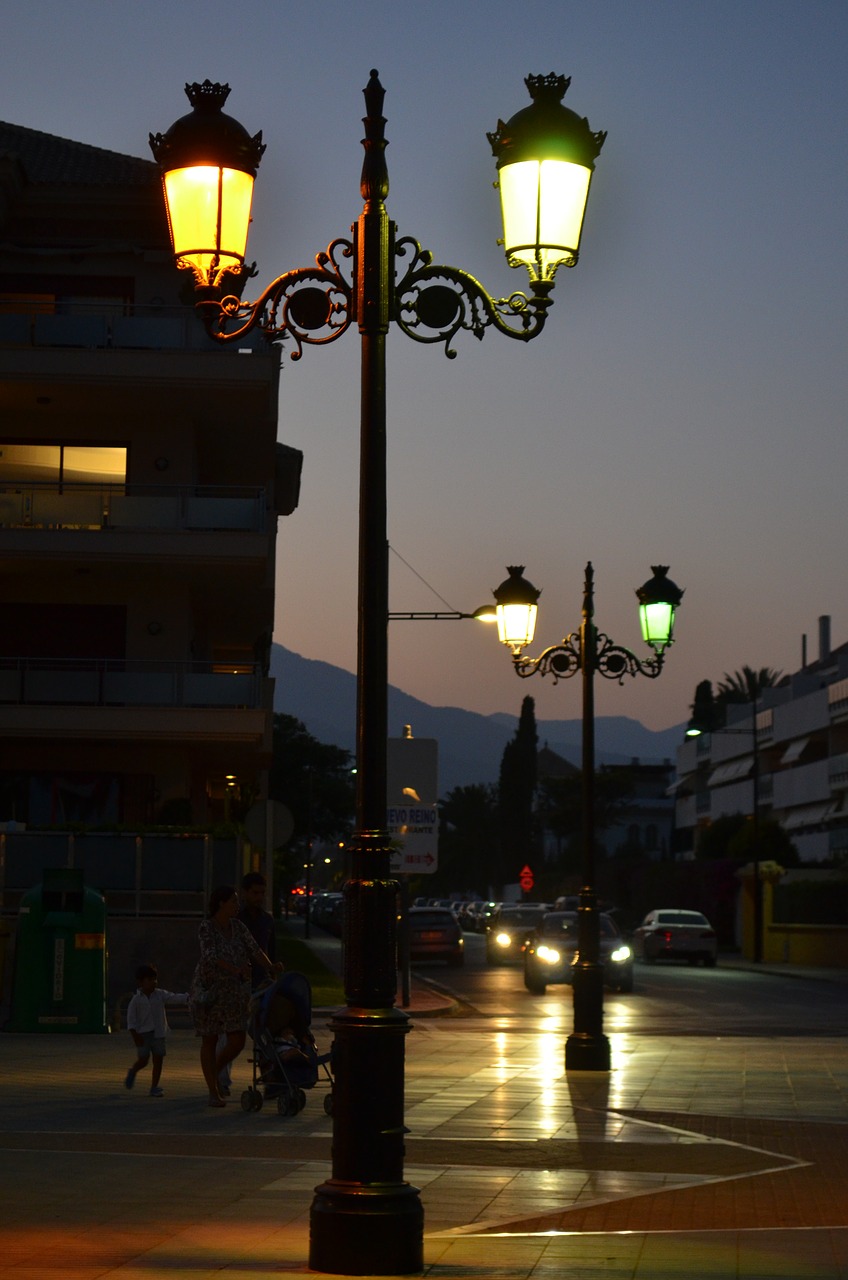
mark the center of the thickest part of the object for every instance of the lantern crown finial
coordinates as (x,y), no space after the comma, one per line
(206,95)
(551,87)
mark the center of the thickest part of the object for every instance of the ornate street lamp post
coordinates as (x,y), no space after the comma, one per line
(589,652)
(365,1219)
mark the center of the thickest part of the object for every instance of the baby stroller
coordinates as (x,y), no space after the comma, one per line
(285,1057)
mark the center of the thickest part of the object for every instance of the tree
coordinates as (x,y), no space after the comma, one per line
(732,836)
(706,715)
(560,808)
(746,685)
(468,839)
(313,779)
(516,796)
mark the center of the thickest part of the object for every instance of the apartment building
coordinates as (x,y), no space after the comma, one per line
(140,485)
(792,749)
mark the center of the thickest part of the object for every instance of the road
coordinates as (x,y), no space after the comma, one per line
(668,999)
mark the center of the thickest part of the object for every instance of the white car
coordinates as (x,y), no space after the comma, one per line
(670,933)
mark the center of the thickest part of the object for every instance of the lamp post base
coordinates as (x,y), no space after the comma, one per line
(358,1230)
(587,1052)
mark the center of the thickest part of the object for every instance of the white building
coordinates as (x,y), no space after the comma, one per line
(798,764)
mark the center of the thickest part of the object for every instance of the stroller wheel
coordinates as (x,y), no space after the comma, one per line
(287,1104)
(301,1099)
(328,1104)
(251,1100)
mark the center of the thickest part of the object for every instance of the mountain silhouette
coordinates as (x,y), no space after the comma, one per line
(470,745)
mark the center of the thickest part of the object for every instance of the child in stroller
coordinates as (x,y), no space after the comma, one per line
(285,1057)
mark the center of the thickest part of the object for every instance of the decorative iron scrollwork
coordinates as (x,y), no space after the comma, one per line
(311,305)
(433,303)
(613,661)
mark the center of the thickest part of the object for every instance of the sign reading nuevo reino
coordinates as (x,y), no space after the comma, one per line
(412,816)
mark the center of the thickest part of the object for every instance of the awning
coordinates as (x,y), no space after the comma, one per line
(794,750)
(810,816)
(732,771)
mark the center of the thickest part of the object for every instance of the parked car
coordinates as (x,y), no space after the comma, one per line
(672,934)
(435,934)
(551,951)
(467,915)
(484,915)
(508,931)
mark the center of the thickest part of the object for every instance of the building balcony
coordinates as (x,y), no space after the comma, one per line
(111,699)
(115,521)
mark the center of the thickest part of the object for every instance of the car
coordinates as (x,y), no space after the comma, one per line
(508,930)
(670,933)
(484,915)
(550,953)
(466,913)
(435,934)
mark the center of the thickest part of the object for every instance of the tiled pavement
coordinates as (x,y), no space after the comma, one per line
(696,1157)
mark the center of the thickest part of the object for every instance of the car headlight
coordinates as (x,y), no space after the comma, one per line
(548,954)
(503,939)
(620,955)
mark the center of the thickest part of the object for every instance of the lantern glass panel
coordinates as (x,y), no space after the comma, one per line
(209,213)
(657,624)
(543,203)
(516,624)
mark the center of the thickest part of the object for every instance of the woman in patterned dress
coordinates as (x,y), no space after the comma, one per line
(220,989)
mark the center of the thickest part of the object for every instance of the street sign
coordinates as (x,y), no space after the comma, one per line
(412,817)
(415,828)
(525,879)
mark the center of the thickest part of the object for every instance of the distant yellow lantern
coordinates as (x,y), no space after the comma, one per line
(516,609)
(546,156)
(209,162)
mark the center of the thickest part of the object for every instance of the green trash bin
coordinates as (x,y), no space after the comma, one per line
(60,957)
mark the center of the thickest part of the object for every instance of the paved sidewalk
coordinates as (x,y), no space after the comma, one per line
(696,1156)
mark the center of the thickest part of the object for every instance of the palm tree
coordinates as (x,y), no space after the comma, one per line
(746,685)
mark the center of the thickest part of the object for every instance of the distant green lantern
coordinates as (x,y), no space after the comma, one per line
(658,599)
(546,157)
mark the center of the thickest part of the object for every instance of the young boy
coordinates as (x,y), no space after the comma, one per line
(148,1025)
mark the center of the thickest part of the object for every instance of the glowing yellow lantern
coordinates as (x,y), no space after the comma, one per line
(208,162)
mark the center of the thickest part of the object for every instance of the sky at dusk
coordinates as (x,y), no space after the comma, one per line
(686,402)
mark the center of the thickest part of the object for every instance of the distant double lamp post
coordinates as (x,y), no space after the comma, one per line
(366,1219)
(589,652)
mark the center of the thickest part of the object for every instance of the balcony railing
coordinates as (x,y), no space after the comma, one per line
(125,683)
(33,505)
(110,325)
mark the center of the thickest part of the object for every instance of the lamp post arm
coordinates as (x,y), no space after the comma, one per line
(311,305)
(433,303)
(612,661)
(452,616)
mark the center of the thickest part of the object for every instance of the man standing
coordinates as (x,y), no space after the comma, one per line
(261,924)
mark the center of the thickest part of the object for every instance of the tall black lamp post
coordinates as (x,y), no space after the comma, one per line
(589,652)
(365,1219)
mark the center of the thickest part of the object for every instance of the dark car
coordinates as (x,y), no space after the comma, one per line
(670,933)
(435,934)
(508,931)
(550,952)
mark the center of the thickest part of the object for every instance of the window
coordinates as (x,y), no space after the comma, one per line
(59,464)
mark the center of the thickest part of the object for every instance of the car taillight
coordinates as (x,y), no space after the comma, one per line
(667,935)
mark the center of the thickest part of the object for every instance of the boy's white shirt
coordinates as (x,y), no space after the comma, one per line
(147,1013)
